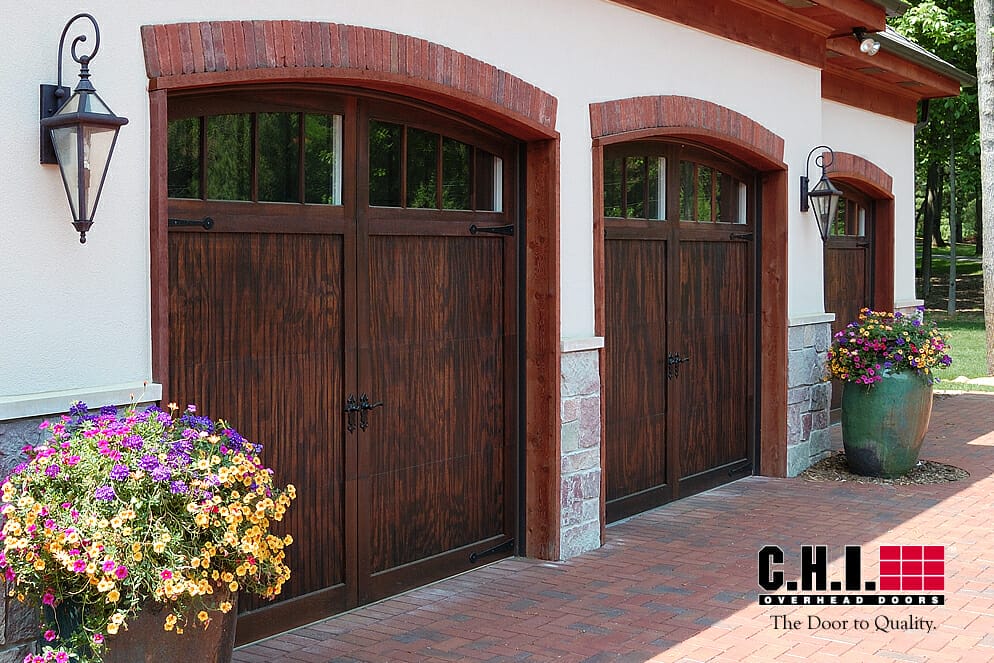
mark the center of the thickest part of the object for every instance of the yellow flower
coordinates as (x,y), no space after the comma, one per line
(112,628)
(117,618)
(233,586)
(203,616)
(39,564)
(113,596)
(225,607)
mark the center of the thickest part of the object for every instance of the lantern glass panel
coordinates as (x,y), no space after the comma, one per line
(97,145)
(64,140)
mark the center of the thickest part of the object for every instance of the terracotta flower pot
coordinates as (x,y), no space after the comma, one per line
(883,424)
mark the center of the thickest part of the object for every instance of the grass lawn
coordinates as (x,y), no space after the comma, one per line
(965,328)
(967,342)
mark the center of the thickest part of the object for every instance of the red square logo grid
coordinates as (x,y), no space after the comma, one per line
(912,568)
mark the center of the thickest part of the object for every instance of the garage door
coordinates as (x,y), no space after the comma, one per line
(342,290)
(849,265)
(680,309)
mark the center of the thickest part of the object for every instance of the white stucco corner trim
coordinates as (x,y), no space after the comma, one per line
(811,319)
(54,402)
(581,344)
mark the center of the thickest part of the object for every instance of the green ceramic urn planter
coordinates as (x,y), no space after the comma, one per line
(883,424)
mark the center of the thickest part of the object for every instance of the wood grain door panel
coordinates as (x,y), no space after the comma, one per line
(635,388)
(433,458)
(256,324)
(847,288)
(715,393)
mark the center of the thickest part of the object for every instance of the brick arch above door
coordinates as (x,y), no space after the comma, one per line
(202,55)
(224,52)
(738,136)
(704,121)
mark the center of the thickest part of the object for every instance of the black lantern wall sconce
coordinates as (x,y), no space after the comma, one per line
(824,197)
(79,133)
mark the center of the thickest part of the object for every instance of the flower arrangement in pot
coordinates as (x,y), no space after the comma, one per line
(117,515)
(886,362)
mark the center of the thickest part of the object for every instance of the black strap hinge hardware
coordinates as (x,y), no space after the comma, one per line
(493,230)
(501,547)
(741,468)
(206,223)
(741,236)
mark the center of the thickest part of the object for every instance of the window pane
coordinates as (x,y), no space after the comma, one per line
(657,188)
(455,174)
(838,226)
(279,157)
(489,178)
(384,164)
(688,195)
(184,158)
(323,159)
(612,187)
(229,157)
(422,168)
(635,187)
(705,181)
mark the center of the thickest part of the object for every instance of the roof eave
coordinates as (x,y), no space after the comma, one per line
(924,59)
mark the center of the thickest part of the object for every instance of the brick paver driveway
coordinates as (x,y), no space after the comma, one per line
(679,583)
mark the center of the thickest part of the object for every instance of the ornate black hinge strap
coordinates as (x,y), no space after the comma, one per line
(493,230)
(206,223)
(501,547)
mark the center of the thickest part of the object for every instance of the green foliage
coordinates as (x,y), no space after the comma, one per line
(947,28)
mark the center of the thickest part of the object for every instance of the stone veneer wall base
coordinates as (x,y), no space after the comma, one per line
(809,395)
(580,491)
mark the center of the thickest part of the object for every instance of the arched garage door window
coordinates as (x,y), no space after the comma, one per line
(680,322)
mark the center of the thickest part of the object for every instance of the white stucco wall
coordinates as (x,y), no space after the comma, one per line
(890,144)
(77,317)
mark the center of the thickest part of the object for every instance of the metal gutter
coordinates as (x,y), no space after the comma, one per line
(892,7)
(894,42)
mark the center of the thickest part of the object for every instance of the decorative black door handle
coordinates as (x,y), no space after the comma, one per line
(364,407)
(351,407)
(673,361)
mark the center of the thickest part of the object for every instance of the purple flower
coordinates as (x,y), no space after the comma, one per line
(148,463)
(177,487)
(105,493)
(120,472)
(161,474)
(78,409)
(108,411)
(52,470)
(133,442)
(79,566)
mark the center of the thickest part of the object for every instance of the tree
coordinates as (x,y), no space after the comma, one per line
(984,16)
(946,28)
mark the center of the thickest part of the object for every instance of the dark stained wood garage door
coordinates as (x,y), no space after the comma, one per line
(342,311)
(680,310)
(849,265)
